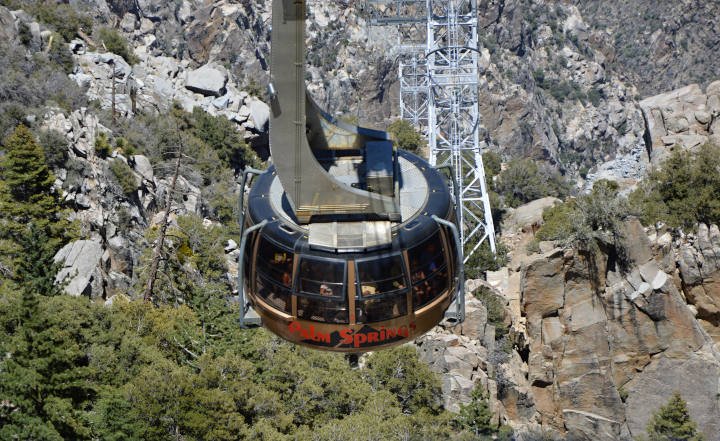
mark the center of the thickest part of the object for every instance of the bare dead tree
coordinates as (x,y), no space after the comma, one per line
(157,252)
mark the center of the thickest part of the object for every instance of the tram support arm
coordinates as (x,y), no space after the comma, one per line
(241,270)
(458,204)
(460,270)
(249,171)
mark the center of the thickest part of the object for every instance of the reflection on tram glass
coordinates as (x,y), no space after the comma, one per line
(322,291)
(381,288)
(274,269)
(429,271)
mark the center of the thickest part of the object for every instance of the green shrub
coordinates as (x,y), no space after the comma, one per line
(400,371)
(476,417)
(406,137)
(594,96)
(102,145)
(624,394)
(524,181)
(125,147)
(62,17)
(587,219)
(533,247)
(557,221)
(484,260)
(124,177)
(539,77)
(563,90)
(495,306)
(492,162)
(254,89)
(55,145)
(116,43)
(24,33)
(685,190)
(221,135)
(60,54)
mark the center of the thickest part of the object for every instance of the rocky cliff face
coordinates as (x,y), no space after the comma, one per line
(699,264)
(684,118)
(548,95)
(658,46)
(607,340)
(545,94)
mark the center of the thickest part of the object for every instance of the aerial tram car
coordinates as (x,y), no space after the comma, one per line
(348,244)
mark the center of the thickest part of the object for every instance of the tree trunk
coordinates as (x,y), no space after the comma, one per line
(157,254)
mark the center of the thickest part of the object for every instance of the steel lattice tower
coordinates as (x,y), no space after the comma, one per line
(439,94)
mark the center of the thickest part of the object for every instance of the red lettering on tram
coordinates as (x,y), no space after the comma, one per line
(310,333)
(349,337)
(346,335)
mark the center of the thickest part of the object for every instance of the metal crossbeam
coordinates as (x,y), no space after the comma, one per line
(396,12)
(439,95)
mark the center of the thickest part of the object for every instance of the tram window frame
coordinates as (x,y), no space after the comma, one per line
(278,281)
(248,259)
(325,261)
(339,311)
(422,285)
(385,301)
(360,283)
(281,293)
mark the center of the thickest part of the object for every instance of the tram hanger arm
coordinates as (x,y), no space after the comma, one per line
(298,126)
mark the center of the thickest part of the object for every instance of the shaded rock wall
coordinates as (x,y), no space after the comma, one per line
(699,265)
(608,344)
(683,118)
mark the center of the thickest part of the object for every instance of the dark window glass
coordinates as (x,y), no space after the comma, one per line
(247,258)
(382,289)
(322,277)
(275,263)
(320,309)
(381,308)
(274,294)
(429,289)
(429,271)
(380,276)
(274,274)
(322,291)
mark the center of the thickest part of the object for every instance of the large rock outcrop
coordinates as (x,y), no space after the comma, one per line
(80,270)
(608,343)
(209,80)
(685,118)
(699,264)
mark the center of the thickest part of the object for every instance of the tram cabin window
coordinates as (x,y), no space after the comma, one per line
(274,275)
(321,296)
(428,271)
(382,292)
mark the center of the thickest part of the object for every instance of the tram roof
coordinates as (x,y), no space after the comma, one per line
(423,192)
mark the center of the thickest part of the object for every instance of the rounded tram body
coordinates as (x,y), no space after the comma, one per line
(348,244)
(352,290)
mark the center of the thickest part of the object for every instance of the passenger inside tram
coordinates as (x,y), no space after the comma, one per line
(428,271)
(274,278)
(322,294)
(382,290)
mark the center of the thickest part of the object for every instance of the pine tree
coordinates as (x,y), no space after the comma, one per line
(26,193)
(35,268)
(27,197)
(476,416)
(44,376)
(672,422)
